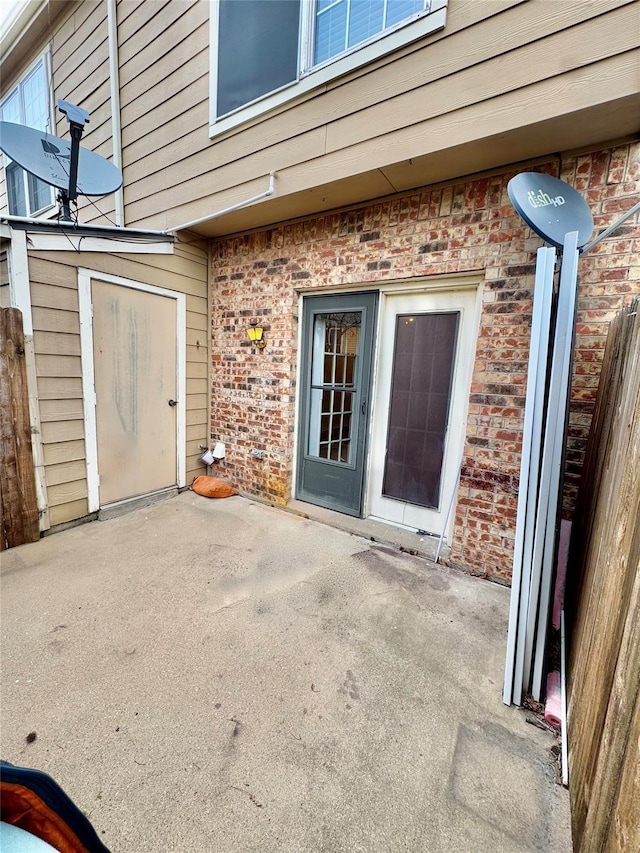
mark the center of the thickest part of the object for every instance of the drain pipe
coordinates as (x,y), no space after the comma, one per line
(185,226)
(114,77)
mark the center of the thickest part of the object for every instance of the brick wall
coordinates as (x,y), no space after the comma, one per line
(467,226)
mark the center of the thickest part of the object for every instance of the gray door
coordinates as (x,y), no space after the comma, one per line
(337,349)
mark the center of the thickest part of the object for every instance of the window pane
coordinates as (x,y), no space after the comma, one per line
(28,104)
(331,31)
(15,190)
(343,24)
(39,193)
(336,338)
(257,49)
(366,18)
(35,100)
(420,391)
(11,108)
(398,10)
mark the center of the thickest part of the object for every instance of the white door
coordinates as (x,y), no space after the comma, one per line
(136,387)
(425,358)
(133,374)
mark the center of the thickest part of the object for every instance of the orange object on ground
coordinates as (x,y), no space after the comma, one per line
(212,487)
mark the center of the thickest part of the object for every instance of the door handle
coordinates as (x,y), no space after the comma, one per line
(363,406)
(173,403)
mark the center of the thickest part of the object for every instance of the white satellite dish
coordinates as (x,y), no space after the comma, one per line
(61,164)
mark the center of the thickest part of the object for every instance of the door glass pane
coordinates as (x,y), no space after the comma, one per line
(420,392)
(336,339)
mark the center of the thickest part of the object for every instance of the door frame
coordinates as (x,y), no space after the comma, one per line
(88,373)
(453,448)
(426,284)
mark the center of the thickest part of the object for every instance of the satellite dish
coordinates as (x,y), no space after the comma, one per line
(49,158)
(551,207)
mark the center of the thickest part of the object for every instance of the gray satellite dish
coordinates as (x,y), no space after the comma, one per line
(49,159)
(551,207)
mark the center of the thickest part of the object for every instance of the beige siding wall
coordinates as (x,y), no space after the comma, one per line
(499,66)
(5,301)
(56,323)
(505,80)
(80,68)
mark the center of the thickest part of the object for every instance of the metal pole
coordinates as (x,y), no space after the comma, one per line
(512,690)
(611,228)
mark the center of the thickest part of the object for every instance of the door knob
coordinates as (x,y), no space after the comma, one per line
(173,403)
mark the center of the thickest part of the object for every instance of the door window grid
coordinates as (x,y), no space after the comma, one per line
(336,340)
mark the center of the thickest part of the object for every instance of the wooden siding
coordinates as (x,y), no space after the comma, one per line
(453,89)
(505,80)
(5,298)
(56,324)
(80,68)
(603,595)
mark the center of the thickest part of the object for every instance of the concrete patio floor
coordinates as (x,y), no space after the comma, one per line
(218,676)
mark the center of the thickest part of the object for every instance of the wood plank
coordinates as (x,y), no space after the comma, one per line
(58,365)
(625,826)
(133,16)
(197,416)
(196,432)
(617,733)
(48,270)
(197,401)
(179,166)
(61,410)
(197,371)
(66,472)
(59,388)
(473,35)
(18,499)
(157,36)
(199,322)
(59,431)
(604,597)
(55,343)
(197,354)
(65,451)
(591,42)
(46,296)
(68,512)
(89,31)
(49,320)
(197,305)
(198,386)
(5,296)
(147,63)
(136,101)
(195,338)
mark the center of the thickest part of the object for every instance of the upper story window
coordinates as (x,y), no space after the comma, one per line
(28,103)
(265,52)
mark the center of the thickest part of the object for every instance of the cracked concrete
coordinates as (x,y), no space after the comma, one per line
(221,676)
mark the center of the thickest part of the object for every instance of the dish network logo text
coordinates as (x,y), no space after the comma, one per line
(542,199)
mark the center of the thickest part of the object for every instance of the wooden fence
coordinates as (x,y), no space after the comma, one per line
(18,502)
(603,603)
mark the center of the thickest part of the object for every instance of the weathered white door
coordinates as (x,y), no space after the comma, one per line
(427,344)
(136,386)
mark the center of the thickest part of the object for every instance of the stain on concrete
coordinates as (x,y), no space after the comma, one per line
(350,687)
(489,764)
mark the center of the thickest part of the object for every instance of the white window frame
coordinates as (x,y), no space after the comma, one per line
(45,60)
(310,76)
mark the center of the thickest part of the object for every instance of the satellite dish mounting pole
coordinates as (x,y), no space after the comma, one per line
(77,117)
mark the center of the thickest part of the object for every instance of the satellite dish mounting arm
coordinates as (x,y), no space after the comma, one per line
(77,118)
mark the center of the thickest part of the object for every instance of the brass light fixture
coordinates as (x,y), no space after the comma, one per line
(256,335)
